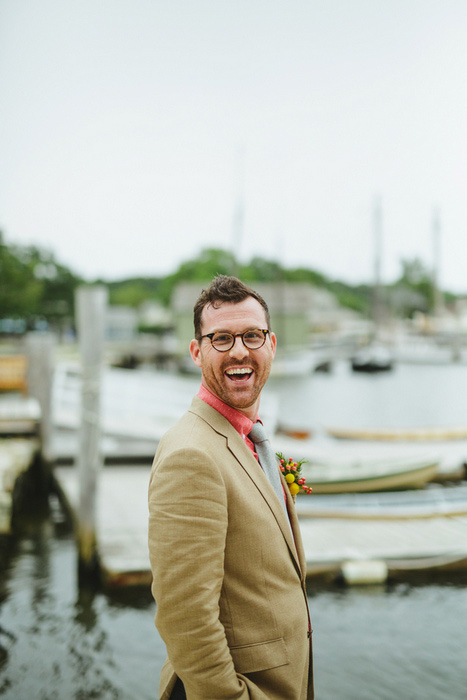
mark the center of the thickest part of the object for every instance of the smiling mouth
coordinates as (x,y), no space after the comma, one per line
(239,374)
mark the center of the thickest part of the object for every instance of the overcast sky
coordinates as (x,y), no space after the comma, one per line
(131,131)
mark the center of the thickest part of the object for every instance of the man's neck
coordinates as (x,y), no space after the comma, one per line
(241,422)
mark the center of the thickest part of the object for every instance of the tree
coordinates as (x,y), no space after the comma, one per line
(33,285)
(209,263)
(261,270)
(20,292)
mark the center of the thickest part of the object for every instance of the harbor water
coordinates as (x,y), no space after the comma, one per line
(410,396)
(404,640)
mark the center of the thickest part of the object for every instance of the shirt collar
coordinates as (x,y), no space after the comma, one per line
(240,422)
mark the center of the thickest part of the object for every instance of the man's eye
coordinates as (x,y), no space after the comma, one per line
(222,338)
(253,335)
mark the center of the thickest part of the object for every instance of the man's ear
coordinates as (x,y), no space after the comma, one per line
(195,352)
(273,343)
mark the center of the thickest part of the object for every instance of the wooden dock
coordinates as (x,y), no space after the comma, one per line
(402,545)
(19,436)
(122,520)
(16,456)
(398,545)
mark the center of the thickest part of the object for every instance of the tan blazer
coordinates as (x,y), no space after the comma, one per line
(228,578)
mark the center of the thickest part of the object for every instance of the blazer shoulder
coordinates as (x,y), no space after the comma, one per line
(199,428)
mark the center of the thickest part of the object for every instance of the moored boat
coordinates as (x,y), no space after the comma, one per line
(372,359)
(370,475)
(430,502)
(399,434)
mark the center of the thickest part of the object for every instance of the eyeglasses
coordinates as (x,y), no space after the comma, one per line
(222,341)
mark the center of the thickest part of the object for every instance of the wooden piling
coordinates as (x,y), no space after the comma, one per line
(91,303)
(40,351)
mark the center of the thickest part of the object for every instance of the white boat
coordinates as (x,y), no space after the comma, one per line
(372,359)
(335,469)
(374,475)
(400,434)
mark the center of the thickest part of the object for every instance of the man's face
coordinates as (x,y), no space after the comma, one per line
(239,390)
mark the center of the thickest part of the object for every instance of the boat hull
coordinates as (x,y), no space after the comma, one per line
(381,480)
(399,435)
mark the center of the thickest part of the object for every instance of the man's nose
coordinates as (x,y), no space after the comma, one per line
(238,350)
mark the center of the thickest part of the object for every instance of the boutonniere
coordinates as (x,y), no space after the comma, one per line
(292,474)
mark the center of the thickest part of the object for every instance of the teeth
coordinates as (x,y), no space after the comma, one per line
(239,370)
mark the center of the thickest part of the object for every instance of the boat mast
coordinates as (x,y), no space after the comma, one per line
(437,294)
(238,219)
(377,308)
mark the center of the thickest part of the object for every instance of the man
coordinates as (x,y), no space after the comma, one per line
(225,548)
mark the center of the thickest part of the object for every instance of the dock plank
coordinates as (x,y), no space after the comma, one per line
(122,527)
(330,542)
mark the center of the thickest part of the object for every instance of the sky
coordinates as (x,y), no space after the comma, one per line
(133,133)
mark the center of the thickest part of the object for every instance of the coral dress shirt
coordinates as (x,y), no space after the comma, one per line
(240,422)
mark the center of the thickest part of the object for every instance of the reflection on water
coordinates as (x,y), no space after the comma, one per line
(64,642)
(59,642)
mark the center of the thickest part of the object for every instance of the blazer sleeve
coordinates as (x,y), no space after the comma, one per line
(187,535)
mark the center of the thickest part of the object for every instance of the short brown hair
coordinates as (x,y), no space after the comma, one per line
(225,289)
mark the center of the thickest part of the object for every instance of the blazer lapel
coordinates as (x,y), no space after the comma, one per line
(295,529)
(247,461)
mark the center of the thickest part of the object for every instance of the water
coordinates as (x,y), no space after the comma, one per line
(60,642)
(384,643)
(409,396)
(406,641)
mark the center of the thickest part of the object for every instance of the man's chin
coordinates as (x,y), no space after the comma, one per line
(239,396)
(241,402)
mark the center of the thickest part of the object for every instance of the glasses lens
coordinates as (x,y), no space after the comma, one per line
(222,341)
(254,339)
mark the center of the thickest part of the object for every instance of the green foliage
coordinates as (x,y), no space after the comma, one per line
(160,329)
(19,290)
(33,285)
(302,274)
(261,270)
(133,291)
(214,261)
(209,263)
(355,298)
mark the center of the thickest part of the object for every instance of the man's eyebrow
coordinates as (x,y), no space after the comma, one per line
(225,330)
